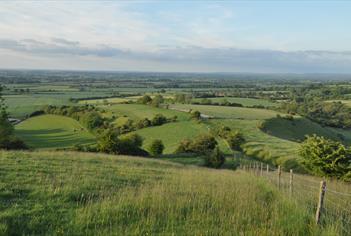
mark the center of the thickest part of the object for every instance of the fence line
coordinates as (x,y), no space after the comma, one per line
(327,202)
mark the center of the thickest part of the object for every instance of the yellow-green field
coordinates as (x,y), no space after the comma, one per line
(67,193)
(52,131)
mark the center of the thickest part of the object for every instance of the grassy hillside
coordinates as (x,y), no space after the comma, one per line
(138,111)
(56,193)
(260,144)
(228,112)
(297,129)
(171,134)
(52,131)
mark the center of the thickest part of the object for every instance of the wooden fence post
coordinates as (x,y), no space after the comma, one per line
(279,175)
(291,182)
(267,169)
(320,201)
(261,169)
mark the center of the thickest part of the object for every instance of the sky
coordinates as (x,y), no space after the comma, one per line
(177,36)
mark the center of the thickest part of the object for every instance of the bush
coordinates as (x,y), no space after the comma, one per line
(202,144)
(159,119)
(215,159)
(184,146)
(146,99)
(325,157)
(143,123)
(235,139)
(196,115)
(129,144)
(156,148)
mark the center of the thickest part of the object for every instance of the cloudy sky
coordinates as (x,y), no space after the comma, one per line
(185,36)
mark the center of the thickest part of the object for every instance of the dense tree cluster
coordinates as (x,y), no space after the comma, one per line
(324,157)
(87,115)
(8,140)
(334,114)
(112,142)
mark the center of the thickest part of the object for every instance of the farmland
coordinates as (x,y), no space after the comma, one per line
(50,131)
(101,194)
(66,185)
(247,102)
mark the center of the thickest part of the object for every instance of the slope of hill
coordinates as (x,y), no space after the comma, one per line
(299,127)
(52,131)
(49,193)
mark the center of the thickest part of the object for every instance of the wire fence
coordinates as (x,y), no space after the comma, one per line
(329,200)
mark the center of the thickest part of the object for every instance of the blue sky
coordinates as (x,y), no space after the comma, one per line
(187,36)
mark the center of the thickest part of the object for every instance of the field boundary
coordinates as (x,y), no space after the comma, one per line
(327,203)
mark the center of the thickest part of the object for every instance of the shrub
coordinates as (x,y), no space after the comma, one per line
(146,99)
(196,115)
(156,148)
(235,139)
(184,146)
(203,143)
(325,157)
(215,159)
(159,119)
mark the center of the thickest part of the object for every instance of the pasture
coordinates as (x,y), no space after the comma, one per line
(138,111)
(71,193)
(228,112)
(172,133)
(247,102)
(299,127)
(52,131)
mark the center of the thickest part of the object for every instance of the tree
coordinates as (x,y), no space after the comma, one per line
(129,144)
(7,137)
(203,143)
(156,148)
(158,99)
(92,120)
(235,139)
(159,119)
(146,99)
(109,142)
(184,146)
(196,115)
(325,157)
(215,159)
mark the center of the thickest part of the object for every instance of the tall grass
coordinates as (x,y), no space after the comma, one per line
(67,193)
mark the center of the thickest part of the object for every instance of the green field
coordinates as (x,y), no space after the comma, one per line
(228,112)
(172,133)
(297,129)
(248,102)
(51,131)
(67,193)
(104,101)
(138,111)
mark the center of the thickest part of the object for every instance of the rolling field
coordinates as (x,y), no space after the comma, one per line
(171,134)
(22,105)
(297,129)
(67,193)
(138,111)
(103,101)
(262,145)
(51,131)
(244,101)
(228,112)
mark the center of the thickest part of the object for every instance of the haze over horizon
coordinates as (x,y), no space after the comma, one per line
(182,36)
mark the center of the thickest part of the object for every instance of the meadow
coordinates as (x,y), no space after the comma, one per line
(99,194)
(228,112)
(54,132)
(139,111)
(247,102)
